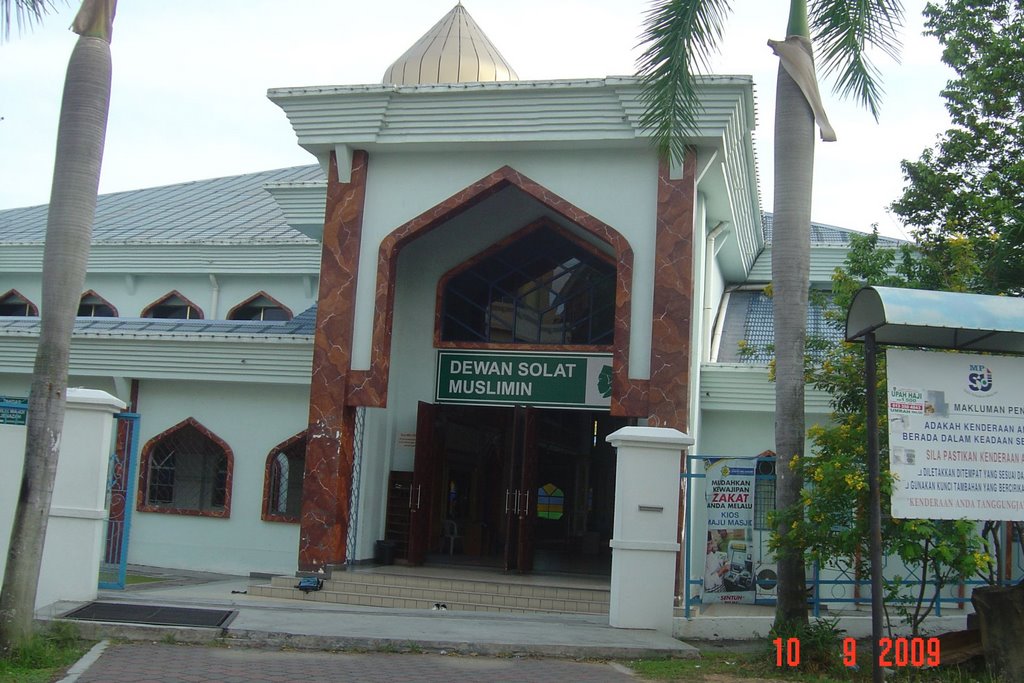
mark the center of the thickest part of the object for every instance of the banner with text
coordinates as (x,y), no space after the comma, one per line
(956,435)
(553,380)
(729,560)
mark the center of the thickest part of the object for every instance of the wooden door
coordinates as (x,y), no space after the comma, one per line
(528,492)
(513,475)
(521,491)
(421,492)
(396,523)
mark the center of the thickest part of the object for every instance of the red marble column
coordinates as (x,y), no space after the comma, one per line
(673,298)
(327,486)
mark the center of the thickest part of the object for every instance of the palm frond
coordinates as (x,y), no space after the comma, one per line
(679,38)
(23,12)
(844,31)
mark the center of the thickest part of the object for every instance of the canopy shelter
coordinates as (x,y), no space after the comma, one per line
(914,317)
(940,320)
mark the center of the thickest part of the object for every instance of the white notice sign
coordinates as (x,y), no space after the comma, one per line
(956,435)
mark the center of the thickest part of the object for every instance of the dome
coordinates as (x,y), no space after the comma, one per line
(455,50)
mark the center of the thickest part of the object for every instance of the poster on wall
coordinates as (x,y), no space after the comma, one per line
(729,554)
(956,435)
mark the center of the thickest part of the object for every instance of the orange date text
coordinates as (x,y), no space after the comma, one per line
(894,653)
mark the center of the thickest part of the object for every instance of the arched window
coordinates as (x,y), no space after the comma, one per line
(92,305)
(542,286)
(14,304)
(260,306)
(174,305)
(186,470)
(282,484)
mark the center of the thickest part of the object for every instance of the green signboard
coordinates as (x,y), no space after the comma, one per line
(13,410)
(554,380)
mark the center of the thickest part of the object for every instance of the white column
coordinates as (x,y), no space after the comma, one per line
(645,543)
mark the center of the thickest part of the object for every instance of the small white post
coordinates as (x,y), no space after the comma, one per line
(645,543)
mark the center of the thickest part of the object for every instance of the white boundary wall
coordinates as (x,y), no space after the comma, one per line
(75,532)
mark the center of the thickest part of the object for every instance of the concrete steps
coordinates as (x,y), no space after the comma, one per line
(409,590)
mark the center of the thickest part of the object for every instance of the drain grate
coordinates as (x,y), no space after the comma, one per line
(156,615)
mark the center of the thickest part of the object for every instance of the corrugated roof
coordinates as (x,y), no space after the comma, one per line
(748,319)
(235,209)
(822,234)
(301,325)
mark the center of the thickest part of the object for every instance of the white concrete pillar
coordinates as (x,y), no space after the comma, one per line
(75,532)
(644,538)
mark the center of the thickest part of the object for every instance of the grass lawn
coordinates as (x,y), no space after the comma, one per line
(45,656)
(134,579)
(130,579)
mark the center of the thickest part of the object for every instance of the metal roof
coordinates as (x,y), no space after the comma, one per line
(939,320)
(231,210)
(300,326)
(454,50)
(749,322)
(825,235)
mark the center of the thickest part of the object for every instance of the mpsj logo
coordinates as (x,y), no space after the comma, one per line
(979,380)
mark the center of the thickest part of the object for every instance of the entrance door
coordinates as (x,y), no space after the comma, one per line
(421,492)
(486,469)
(521,491)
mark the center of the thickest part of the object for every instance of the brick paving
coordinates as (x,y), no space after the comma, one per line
(166,663)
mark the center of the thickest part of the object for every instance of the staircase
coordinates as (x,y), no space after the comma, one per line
(429,588)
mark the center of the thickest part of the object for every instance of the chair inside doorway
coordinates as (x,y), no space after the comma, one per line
(450,535)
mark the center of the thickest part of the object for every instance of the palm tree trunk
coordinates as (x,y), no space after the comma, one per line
(80,140)
(794,168)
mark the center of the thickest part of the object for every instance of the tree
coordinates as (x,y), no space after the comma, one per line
(965,195)
(680,35)
(832,521)
(80,139)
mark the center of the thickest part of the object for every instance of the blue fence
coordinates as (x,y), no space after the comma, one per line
(120,488)
(830,585)
(121,484)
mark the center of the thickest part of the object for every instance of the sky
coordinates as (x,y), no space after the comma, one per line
(190,80)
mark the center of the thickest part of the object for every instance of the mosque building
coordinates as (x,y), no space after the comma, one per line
(425,338)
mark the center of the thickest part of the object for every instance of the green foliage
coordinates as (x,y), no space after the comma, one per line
(45,653)
(964,195)
(832,520)
(820,641)
(680,36)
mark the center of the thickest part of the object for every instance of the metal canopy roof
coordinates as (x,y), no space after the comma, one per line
(940,320)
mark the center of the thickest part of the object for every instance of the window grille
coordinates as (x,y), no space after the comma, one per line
(92,305)
(14,304)
(543,288)
(286,466)
(764,493)
(260,307)
(173,306)
(359,427)
(187,471)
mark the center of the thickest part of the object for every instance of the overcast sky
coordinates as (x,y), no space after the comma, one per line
(190,81)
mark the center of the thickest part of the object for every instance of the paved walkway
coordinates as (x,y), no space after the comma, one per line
(249,647)
(160,663)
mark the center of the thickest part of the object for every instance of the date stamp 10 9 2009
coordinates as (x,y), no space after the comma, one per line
(895,653)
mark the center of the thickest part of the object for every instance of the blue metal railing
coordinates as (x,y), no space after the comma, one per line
(823,590)
(121,485)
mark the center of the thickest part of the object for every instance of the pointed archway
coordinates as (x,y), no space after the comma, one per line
(369,387)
